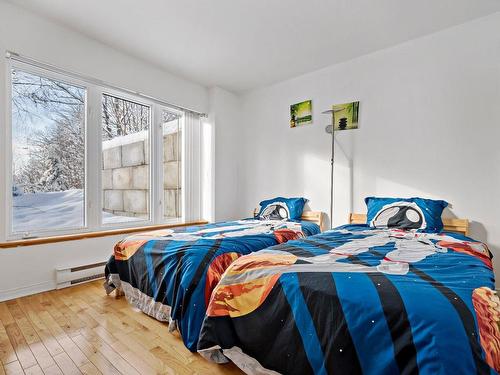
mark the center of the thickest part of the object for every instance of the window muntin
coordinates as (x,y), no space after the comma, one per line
(48,153)
(125,160)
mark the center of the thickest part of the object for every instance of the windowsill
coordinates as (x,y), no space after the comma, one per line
(101,233)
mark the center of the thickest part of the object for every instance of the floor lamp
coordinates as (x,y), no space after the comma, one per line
(348,121)
(330,129)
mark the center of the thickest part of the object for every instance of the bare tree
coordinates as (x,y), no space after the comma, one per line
(56,153)
(32,93)
(121,117)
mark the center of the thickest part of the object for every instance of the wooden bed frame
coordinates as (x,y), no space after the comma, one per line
(450,225)
(312,216)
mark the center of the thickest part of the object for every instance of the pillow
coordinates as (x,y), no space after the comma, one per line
(280,208)
(405,213)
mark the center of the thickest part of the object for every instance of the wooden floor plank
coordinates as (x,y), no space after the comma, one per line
(32,311)
(5,315)
(81,330)
(23,352)
(76,309)
(99,361)
(53,370)
(69,347)
(133,358)
(58,317)
(106,321)
(90,369)
(35,370)
(112,355)
(101,335)
(155,362)
(74,323)
(66,365)
(13,368)
(15,310)
(7,352)
(27,330)
(38,349)
(42,355)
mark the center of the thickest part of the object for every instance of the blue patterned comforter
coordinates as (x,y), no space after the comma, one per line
(170,274)
(358,300)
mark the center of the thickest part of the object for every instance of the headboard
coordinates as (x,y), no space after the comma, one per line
(312,216)
(450,225)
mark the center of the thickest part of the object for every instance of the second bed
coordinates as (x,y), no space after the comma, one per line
(169,274)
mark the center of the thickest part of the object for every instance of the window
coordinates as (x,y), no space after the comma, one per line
(85,157)
(125,160)
(48,153)
(172,165)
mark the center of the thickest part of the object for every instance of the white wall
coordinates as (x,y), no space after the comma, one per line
(225,115)
(26,33)
(27,269)
(31,269)
(430,111)
(429,126)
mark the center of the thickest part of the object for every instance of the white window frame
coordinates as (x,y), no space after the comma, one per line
(93,156)
(8,152)
(158,175)
(152,133)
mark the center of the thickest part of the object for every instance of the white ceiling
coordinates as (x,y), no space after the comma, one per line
(244,44)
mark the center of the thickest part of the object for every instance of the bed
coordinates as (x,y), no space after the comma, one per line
(359,300)
(169,274)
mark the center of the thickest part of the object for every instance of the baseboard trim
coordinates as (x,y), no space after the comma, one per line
(23,291)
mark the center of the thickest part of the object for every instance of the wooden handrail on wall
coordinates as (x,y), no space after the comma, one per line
(102,233)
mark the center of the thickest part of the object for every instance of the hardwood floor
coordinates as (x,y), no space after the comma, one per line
(81,330)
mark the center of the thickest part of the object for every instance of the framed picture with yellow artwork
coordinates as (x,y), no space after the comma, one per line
(301,114)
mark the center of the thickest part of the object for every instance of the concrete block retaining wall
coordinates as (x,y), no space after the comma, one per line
(125,178)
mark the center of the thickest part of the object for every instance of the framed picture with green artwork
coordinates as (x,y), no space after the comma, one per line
(301,114)
(346,115)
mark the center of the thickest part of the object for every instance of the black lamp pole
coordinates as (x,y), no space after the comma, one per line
(331,170)
(331,130)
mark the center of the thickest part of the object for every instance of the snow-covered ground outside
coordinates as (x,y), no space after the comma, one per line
(55,210)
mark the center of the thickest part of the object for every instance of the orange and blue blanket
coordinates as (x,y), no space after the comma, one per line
(170,274)
(358,300)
